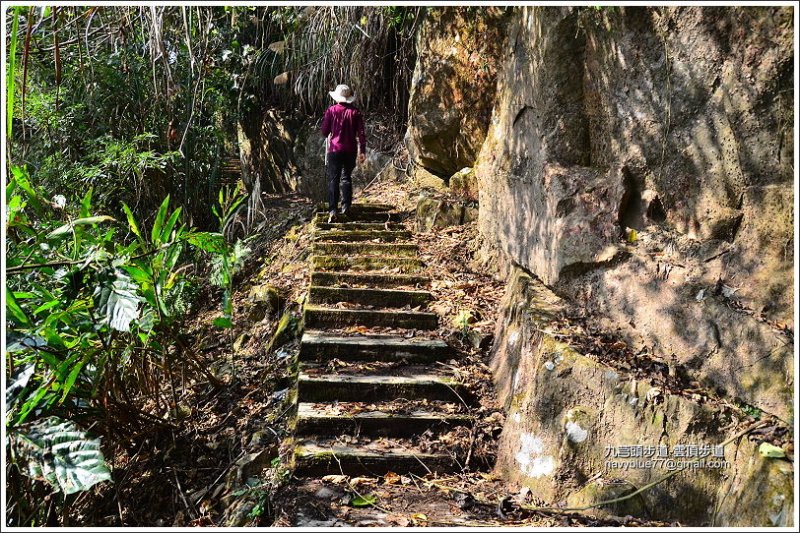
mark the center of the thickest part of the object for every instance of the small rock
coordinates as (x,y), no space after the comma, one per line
(479,340)
(325,493)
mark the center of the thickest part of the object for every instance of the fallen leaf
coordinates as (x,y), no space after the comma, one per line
(768,450)
(391,478)
(364,501)
(361,481)
(336,479)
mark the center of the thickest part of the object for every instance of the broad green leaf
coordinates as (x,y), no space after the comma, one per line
(63,456)
(67,228)
(158,225)
(24,295)
(208,242)
(131,220)
(364,501)
(117,302)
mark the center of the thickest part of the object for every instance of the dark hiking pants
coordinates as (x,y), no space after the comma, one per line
(340,164)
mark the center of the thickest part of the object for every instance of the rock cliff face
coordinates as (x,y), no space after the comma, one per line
(453,87)
(638,161)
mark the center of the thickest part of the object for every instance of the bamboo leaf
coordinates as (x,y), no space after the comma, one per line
(67,228)
(12,69)
(169,225)
(17,314)
(158,225)
(131,220)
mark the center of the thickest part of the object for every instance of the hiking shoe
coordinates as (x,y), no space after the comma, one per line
(345,209)
(331,216)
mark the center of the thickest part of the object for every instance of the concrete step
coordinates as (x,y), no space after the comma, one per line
(358,388)
(362,235)
(367,279)
(360,263)
(312,459)
(374,216)
(359,207)
(364,248)
(325,419)
(316,317)
(317,345)
(361,226)
(373,297)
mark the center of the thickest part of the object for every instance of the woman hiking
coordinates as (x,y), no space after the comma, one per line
(342,125)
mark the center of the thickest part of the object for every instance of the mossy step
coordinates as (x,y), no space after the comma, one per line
(312,459)
(374,216)
(360,207)
(374,297)
(337,262)
(367,278)
(318,419)
(326,317)
(317,345)
(361,226)
(362,235)
(380,388)
(364,248)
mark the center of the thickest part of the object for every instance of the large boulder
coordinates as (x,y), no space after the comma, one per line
(453,86)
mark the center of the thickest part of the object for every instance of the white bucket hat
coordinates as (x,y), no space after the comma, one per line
(339,94)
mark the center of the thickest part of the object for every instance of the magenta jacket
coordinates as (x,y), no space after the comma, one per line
(344,122)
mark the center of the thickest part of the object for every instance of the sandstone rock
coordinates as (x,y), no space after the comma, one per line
(263,301)
(309,153)
(464,184)
(766,278)
(567,411)
(438,213)
(704,173)
(562,221)
(452,88)
(423,180)
(602,490)
(653,303)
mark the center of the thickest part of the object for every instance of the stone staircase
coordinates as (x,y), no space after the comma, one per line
(372,403)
